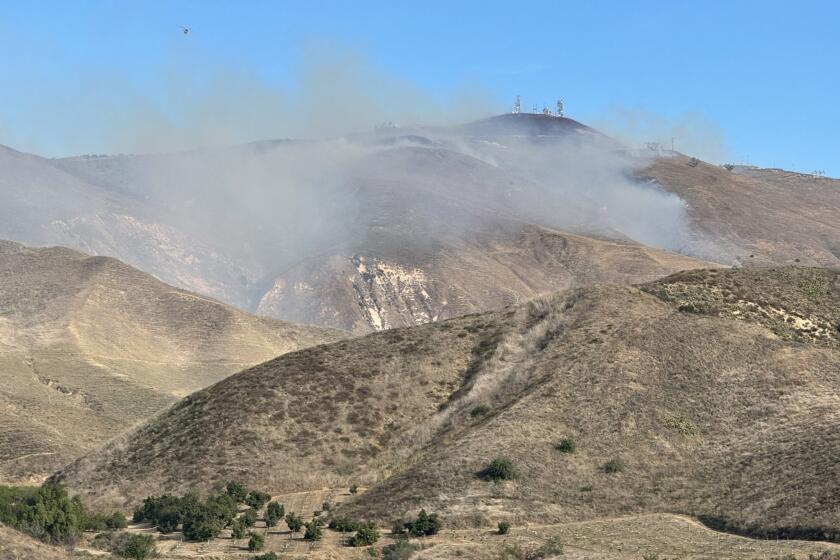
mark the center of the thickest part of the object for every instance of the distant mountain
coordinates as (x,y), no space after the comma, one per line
(281,227)
(711,393)
(89,346)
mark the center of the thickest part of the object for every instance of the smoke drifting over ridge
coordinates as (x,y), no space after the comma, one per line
(261,207)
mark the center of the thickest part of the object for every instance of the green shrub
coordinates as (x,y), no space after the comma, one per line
(424,525)
(354,489)
(326,506)
(480,410)
(274,513)
(295,522)
(257,499)
(116,521)
(266,556)
(224,507)
(400,550)
(614,466)
(313,531)
(367,535)
(566,445)
(343,525)
(256,542)
(236,491)
(499,468)
(398,527)
(504,527)
(249,518)
(92,522)
(238,530)
(136,547)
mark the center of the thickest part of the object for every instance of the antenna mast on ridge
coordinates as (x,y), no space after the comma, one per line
(517,106)
(559,107)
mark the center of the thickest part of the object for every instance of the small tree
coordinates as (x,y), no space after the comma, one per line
(201,525)
(236,491)
(313,531)
(504,527)
(273,513)
(238,530)
(500,468)
(424,525)
(367,535)
(256,542)
(295,522)
(257,499)
(249,518)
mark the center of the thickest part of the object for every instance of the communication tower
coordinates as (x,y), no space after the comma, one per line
(559,107)
(517,106)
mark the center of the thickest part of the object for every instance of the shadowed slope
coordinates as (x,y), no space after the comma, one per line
(714,405)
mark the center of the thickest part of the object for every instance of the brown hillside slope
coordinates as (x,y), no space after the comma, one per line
(89,346)
(756,216)
(716,389)
(397,285)
(15,545)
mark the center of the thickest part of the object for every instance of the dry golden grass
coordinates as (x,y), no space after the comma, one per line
(730,417)
(90,346)
(757,217)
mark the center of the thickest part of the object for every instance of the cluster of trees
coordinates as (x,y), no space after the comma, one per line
(49,514)
(425,524)
(203,520)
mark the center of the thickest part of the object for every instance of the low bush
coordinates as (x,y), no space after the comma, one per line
(424,525)
(566,445)
(136,547)
(343,525)
(504,527)
(614,466)
(480,410)
(400,550)
(266,556)
(354,489)
(499,468)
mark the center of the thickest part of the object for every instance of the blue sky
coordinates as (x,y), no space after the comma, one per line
(738,80)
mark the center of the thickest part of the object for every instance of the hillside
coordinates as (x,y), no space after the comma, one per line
(712,393)
(386,286)
(18,546)
(755,217)
(90,346)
